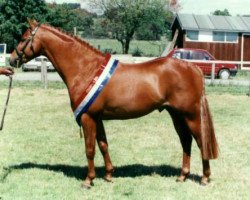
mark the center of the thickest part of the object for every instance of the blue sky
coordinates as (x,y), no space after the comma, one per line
(235,7)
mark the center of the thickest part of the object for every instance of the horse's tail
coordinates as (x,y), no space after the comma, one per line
(210,148)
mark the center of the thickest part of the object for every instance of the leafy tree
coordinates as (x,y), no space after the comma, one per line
(68,16)
(224,12)
(61,15)
(74,6)
(13,18)
(84,22)
(124,17)
(100,28)
(154,23)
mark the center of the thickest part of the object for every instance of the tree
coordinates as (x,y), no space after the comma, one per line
(224,12)
(124,17)
(63,16)
(154,23)
(100,28)
(13,18)
(85,22)
(68,16)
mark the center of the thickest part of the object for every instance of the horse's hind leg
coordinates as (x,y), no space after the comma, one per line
(186,142)
(194,124)
(103,145)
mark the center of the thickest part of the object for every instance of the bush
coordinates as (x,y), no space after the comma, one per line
(137,52)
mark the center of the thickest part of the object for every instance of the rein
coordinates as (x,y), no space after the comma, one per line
(6,103)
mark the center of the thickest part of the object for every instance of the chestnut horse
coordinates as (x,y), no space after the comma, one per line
(131,91)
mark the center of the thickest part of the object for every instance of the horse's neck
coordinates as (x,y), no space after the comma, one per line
(75,62)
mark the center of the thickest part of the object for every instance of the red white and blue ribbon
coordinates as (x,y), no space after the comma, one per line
(95,87)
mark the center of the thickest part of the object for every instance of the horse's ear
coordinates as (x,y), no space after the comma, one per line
(33,23)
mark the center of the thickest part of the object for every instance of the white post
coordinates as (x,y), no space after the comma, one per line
(213,73)
(75,31)
(44,75)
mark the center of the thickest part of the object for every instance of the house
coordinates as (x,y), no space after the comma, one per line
(226,37)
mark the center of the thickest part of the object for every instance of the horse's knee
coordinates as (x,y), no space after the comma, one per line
(90,153)
(103,146)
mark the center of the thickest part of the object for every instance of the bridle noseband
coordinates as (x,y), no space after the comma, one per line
(29,39)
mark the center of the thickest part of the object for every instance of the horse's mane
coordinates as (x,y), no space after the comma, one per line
(66,36)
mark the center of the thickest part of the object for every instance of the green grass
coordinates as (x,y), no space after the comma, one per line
(42,156)
(148,48)
(233,89)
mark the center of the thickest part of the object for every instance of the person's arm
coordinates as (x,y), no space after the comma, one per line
(6,71)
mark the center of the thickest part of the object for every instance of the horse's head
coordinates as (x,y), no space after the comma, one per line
(28,48)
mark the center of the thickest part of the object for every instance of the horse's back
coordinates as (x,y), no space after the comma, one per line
(144,87)
(166,76)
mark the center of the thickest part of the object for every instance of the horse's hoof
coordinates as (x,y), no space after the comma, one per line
(87,185)
(204,181)
(181,179)
(108,179)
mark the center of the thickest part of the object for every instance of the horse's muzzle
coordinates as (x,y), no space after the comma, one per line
(14,62)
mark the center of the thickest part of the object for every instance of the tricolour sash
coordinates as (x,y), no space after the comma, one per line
(95,87)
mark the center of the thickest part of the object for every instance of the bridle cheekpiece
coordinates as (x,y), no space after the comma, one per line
(29,39)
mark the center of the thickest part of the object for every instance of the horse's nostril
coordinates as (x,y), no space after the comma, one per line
(13,62)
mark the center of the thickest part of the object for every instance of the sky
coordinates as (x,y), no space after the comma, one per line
(235,7)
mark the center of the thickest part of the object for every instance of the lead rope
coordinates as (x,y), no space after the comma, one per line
(81,132)
(6,103)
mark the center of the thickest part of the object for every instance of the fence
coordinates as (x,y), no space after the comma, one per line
(211,80)
(240,65)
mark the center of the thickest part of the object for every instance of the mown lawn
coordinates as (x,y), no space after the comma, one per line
(146,48)
(42,156)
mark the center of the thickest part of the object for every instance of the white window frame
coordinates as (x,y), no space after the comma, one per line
(207,36)
(225,37)
(188,39)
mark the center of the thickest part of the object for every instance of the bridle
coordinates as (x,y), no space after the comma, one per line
(27,41)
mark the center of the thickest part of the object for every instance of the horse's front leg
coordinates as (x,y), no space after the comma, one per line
(103,145)
(89,128)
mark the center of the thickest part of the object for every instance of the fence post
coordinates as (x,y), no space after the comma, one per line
(249,88)
(44,75)
(213,73)
(75,31)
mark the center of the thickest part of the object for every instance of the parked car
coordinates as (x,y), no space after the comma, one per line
(222,70)
(36,63)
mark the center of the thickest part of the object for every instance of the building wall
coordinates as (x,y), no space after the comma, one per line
(246,46)
(223,51)
(220,50)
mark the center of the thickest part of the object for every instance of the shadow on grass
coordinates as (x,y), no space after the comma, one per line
(80,173)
